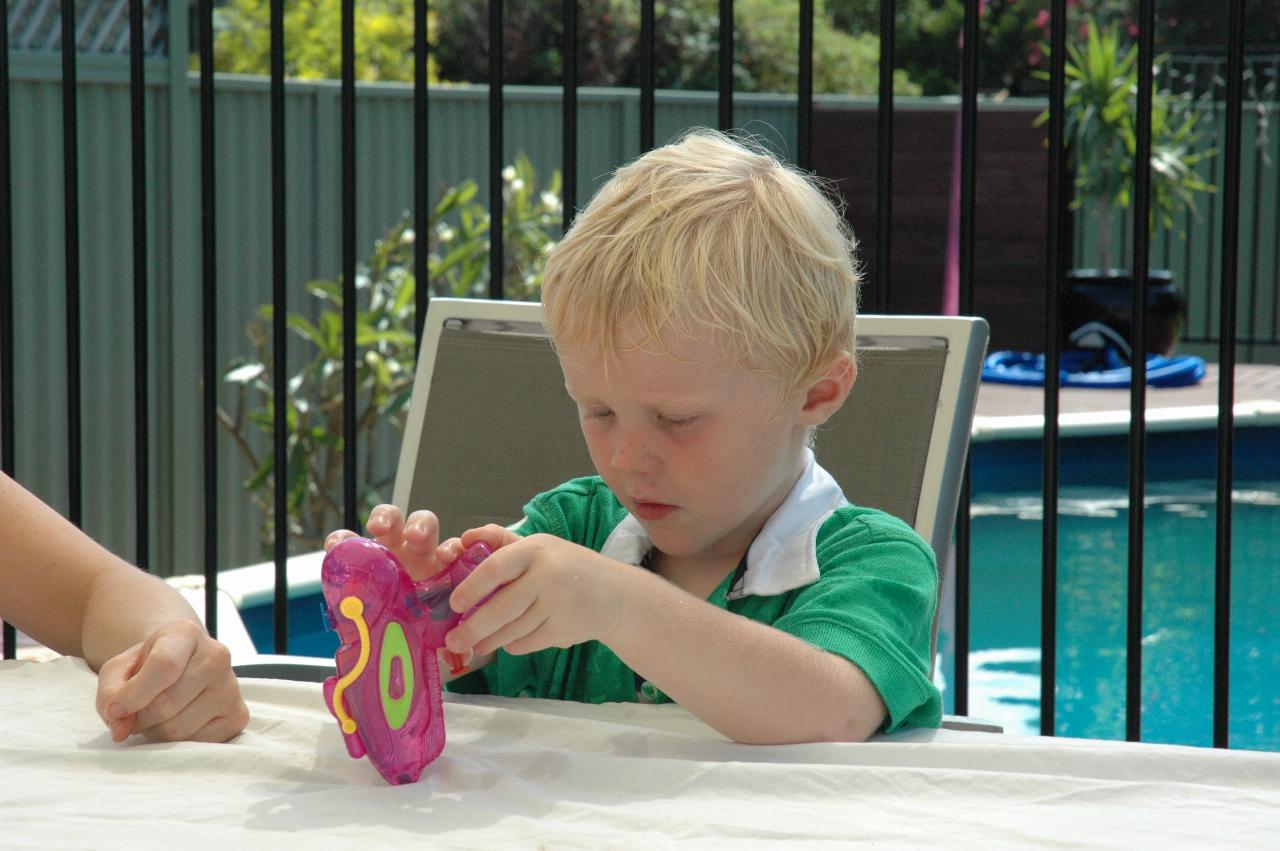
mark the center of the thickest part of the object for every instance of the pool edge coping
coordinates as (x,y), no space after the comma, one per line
(1251,414)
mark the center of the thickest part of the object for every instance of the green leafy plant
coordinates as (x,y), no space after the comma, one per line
(312,39)
(458,265)
(687,46)
(1100,129)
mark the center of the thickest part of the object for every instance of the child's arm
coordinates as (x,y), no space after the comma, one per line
(749,681)
(159,671)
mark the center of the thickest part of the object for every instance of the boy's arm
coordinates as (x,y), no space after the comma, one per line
(751,682)
(72,595)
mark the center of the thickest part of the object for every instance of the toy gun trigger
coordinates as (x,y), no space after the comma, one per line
(456,665)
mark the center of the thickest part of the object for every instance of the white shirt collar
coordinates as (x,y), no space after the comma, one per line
(783,556)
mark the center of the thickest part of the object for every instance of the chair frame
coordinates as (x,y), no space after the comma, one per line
(965,337)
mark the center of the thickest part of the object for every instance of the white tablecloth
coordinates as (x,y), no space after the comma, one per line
(542,773)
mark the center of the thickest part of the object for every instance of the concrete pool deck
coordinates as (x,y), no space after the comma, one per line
(1006,411)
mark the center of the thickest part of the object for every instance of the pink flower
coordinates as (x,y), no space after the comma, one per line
(1042,19)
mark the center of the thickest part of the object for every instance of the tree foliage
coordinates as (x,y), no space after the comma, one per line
(1013,34)
(313,39)
(766,46)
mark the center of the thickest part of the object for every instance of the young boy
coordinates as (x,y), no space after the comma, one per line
(702,307)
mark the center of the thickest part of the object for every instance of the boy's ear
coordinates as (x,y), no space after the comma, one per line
(828,393)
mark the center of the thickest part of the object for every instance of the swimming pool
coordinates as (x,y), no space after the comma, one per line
(1178,599)
(1092,579)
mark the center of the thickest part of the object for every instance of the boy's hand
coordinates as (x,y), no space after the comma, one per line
(416,542)
(556,594)
(177,685)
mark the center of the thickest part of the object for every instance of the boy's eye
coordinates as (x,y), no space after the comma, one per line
(596,414)
(677,422)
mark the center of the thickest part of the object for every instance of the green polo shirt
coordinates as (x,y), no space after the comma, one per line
(870,599)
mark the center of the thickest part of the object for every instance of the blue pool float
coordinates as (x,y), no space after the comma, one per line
(1077,368)
(1099,357)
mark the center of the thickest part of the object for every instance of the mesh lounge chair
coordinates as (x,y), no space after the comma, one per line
(490,424)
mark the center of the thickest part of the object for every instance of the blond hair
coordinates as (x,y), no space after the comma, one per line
(708,229)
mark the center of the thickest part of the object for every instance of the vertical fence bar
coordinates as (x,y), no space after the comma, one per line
(726,65)
(1255,280)
(1212,227)
(1227,375)
(279,332)
(1138,370)
(496,45)
(648,81)
(421,186)
(968,216)
(1055,274)
(350,507)
(1275,230)
(569,102)
(209,287)
(1187,218)
(141,397)
(8,454)
(71,227)
(804,89)
(884,156)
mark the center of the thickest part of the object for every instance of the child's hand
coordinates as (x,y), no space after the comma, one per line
(556,594)
(177,685)
(415,542)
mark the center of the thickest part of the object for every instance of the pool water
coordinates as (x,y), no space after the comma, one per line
(1178,612)
(308,634)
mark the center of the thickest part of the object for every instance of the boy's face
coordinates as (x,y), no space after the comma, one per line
(692,444)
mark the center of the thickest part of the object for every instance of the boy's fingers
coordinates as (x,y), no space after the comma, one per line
(513,633)
(502,567)
(386,525)
(164,658)
(422,532)
(494,535)
(336,537)
(506,606)
(449,551)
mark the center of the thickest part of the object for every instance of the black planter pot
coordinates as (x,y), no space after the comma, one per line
(1106,296)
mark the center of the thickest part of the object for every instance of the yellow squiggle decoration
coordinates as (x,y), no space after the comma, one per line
(353,609)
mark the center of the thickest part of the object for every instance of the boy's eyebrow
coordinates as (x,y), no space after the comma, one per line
(671,404)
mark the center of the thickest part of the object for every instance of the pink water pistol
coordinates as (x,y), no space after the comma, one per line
(386,694)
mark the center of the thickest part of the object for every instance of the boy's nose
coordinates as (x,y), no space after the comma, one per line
(632,454)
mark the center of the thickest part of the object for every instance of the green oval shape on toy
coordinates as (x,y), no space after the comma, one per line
(395,645)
